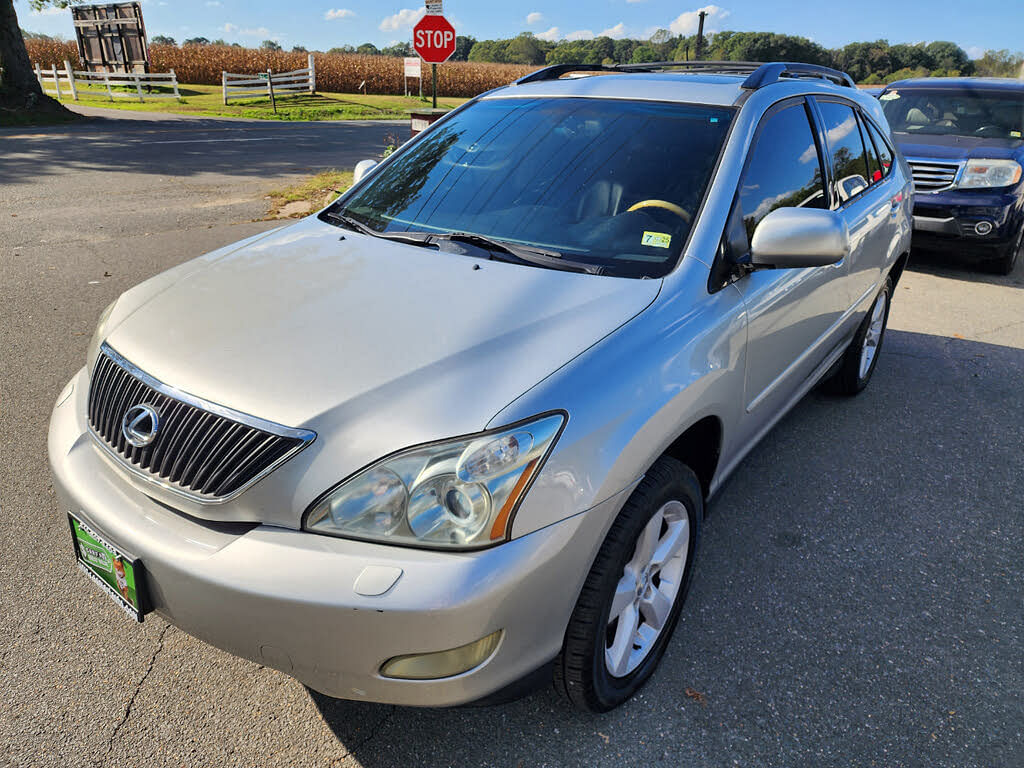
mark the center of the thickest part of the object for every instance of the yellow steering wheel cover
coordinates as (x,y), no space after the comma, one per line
(677,210)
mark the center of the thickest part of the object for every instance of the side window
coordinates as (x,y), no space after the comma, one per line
(849,161)
(783,168)
(884,153)
(874,165)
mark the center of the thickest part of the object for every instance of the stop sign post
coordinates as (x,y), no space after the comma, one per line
(433,38)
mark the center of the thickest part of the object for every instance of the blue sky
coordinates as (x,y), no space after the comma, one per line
(976,26)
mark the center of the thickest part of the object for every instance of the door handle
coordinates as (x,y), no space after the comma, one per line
(895,201)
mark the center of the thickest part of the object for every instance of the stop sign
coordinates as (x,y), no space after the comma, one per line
(434,39)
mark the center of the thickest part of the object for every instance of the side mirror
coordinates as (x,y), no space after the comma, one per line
(362,168)
(799,237)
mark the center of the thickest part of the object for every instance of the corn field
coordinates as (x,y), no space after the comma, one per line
(337,73)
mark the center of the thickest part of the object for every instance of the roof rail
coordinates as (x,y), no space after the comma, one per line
(766,74)
(759,74)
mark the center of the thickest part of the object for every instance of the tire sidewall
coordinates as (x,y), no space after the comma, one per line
(612,691)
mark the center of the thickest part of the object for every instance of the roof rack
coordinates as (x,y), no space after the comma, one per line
(758,74)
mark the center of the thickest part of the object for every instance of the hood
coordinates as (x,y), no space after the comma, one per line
(319,327)
(956,148)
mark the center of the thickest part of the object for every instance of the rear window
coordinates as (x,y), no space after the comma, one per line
(882,146)
(609,182)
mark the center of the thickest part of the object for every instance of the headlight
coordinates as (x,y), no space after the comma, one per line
(457,494)
(990,173)
(98,335)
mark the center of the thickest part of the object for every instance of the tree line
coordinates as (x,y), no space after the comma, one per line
(867,62)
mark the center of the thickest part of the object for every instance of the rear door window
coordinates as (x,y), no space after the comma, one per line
(874,164)
(884,153)
(845,149)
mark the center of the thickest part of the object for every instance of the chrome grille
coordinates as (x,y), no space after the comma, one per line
(201,450)
(931,176)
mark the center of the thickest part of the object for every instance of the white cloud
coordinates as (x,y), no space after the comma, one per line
(580,34)
(50,11)
(338,13)
(617,32)
(975,51)
(534,18)
(407,17)
(234,29)
(551,35)
(686,23)
(213,3)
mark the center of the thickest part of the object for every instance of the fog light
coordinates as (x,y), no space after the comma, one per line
(983,228)
(432,666)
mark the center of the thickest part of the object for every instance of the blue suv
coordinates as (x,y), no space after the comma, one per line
(963,140)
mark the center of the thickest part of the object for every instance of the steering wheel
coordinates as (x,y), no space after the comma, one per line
(663,204)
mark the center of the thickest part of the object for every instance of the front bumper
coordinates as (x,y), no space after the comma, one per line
(947,221)
(286,598)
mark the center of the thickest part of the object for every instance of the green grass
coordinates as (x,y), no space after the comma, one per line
(317,191)
(206,100)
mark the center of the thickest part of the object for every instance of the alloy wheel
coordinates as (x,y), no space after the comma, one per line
(873,337)
(648,589)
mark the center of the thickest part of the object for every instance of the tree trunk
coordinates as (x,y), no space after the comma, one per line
(19,89)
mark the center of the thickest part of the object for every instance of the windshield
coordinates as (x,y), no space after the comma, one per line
(967,112)
(596,181)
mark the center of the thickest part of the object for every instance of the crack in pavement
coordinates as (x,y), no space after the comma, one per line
(135,693)
(374,732)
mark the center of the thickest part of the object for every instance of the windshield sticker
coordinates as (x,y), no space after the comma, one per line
(889,96)
(1015,134)
(656,239)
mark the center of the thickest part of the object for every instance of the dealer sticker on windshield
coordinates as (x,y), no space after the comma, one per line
(656,239)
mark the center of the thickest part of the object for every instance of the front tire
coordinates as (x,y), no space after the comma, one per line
(858,362)
(1005,264)
(633,595)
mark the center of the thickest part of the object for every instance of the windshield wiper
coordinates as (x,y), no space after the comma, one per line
(413,238)
(527,254)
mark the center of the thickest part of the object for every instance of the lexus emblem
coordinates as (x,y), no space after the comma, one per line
(139,425)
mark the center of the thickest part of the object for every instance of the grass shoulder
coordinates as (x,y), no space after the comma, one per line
(305,197)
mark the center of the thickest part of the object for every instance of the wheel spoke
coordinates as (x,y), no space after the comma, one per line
(617,655)
(648,540)
(672,544)
(625,591)
(655,609)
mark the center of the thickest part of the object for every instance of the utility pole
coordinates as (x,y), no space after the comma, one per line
(699,53)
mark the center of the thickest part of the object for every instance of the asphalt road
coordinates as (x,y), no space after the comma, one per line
(859,598)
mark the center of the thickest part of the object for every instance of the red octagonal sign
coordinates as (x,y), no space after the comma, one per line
(434,39)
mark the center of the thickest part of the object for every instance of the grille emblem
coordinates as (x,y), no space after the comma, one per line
(140,425)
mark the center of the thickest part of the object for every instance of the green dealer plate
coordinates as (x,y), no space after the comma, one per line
(117,574)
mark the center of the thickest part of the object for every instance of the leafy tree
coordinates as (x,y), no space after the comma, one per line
(524,49)
(946,55)
(162,40)
(343,49)
(463,45)
(299,49)
(398,49)
(270,45)
(644,54)
(489,50)
(196,41)
(219,41)
(1000,64)
(368,49)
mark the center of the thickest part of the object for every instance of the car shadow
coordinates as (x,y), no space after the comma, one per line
(945,264)
(853,584)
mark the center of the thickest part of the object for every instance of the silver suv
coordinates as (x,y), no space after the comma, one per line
(456,433)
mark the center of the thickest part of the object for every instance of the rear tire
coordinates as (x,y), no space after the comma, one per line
(858,362)
(642,573)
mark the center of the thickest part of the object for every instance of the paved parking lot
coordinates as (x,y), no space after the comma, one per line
(859,598)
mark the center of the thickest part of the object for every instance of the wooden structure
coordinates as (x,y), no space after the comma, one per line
(111,37)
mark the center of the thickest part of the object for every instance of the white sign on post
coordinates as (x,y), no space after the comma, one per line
(434,8)
(412,66)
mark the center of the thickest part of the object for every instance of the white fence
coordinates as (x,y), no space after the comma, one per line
(269,83)
(68,81)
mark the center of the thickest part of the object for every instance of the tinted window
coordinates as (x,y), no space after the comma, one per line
(874,164)
(783,169)
(609,182)
(849,161)
(884,153)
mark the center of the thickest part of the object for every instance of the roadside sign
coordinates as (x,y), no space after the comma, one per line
(433,37)
(412,66)
(434,8)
